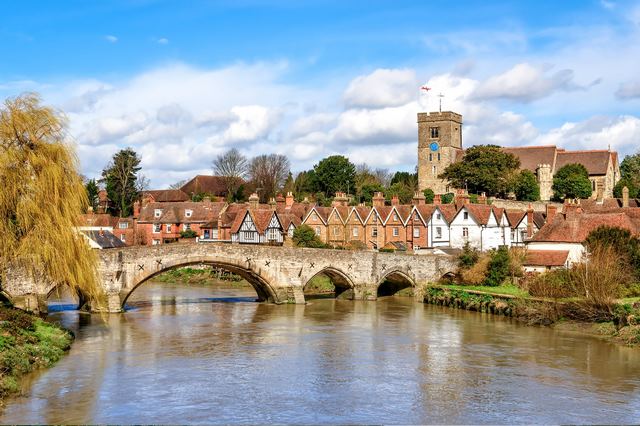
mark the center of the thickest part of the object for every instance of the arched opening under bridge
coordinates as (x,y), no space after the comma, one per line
(396,283)
(329,283)
(198,282)
(64,298)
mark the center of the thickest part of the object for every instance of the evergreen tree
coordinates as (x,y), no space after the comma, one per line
(334,173)
(92,193)
(304,236)
(498,268)
(120,178)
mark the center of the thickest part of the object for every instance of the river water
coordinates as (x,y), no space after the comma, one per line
(203,355)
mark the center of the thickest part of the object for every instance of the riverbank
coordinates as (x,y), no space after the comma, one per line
(202,276)
(512,302)
(27,343)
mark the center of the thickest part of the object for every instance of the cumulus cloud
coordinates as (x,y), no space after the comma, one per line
(525,83)
(382,88)
(629,90)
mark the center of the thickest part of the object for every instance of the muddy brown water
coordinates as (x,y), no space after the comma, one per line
(194,354)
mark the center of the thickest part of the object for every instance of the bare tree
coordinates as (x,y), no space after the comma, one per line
(268,173)
(233,167)
(178,184)
(383,176)
(142,183)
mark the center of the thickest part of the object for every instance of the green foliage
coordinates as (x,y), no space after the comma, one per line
(189,233)
(304,236)
(622,241)
(402,191)
(386,250)
(630,169)
(484,168)
(473,198)
(468,257)
(120,178)
(92,193)
(429,195)
(499,266)
(572,181)
(634,190)
(304,183)
(409,179)
(334,173)
(526,186)
(447,198)
(200,196)
(367,191)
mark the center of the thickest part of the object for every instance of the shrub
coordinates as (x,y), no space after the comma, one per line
(429,195)
(356,245)
(477,273)
(304,236)
(498,268)
(447,198)
(552,285)
(189,233)
(526,186)
(626,246)
(468,257)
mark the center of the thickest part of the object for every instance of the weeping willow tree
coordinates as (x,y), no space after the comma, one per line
(41,198)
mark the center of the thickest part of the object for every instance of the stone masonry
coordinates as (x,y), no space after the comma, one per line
(278,274)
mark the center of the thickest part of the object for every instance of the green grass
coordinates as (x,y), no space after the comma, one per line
(630,300)
(510,290)
(319,284)
(200,276)
(27,343)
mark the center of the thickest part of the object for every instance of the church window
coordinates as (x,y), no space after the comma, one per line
(438,156)
(434,132)
(434,170)
(430,157)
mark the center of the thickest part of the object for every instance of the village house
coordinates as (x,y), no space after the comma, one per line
(122,229)
(478,226)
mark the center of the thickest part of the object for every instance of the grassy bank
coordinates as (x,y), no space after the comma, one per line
(512,301)
(26,344)
(206,276)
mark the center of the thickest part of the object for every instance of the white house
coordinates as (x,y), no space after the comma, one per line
(477,225)
(260,226)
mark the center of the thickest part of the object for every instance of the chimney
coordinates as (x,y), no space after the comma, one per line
(254,200)
(272,203)
(305,201)
(418,198)
(599,194)
(482,198)
(288,202)
(340,199)
(571,210)
(437,199)
(395,201)
(89,210)
(378,199)
(280,202)
(625,197)
(551,212)
(530,222)
(136,209)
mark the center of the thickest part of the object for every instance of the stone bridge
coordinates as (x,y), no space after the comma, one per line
(278,274)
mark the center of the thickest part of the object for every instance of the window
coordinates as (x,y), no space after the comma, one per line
(168,228)
(188,213)
(355,231)
(465,232)
(123,238)
(593,185)
(523,235)
(465,215)
(317,230)
(513,235)
(434,132)
(438,216)
(248,235)
(416,232)
(396,232)
(430,157)
(395,217)
(374,232)
(290,231)
(438,156)
(155,242)
(272,234)
(157,213)
(434,170)
(206,234)
(314,216)
(123,225)
(186,227)
(336,231)
(157,227)
(438,232)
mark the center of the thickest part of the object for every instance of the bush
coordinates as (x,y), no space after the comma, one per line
(189,233)
(468,257)
(477,274)
(498,268)
(572,181)
(552,285)
(429,195)
(625,245)
(447,198)
(526,186)
(304,236)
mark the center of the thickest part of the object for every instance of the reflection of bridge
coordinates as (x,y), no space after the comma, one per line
(278,274)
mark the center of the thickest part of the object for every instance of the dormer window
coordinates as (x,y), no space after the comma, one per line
(188,213)
(157,213)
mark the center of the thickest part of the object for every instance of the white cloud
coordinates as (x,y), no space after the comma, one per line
(163,40)
(525,83)
(111,38)
(382,88)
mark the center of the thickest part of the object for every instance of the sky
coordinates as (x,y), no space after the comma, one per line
(182,82)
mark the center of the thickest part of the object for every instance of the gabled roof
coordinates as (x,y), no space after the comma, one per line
(575,228)
(383,212)
(201,212)
(322,212)
(287,219)
(361,212)
(166,195)
(539,219)
(531,156)
(515,217)
(449,211)
(404,212)
(425,211)
(214,185)
(262,218)
(481,213)
(546,257)
(595,161)
(104,239)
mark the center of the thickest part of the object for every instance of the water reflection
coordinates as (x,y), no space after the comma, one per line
(187,355)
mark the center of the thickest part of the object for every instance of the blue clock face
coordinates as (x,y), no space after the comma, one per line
(434,146)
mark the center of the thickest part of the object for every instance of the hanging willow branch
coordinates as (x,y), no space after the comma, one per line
(41,198)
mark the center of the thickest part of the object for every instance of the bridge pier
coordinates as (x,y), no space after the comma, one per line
(291,294)
(32,302)
(365,292)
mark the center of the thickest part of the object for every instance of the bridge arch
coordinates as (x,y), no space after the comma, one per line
(260,284)
(394,281)
(341,281)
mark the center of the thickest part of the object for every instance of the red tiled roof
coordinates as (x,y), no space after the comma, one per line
(515,217)
(214,185)
(576,227)
(287,219)
(449,211)
(174,212)
(481,212)
(426,211)
(596,162)
(166,195)
(531,156)
(97,219)
(404,211)
(546,257)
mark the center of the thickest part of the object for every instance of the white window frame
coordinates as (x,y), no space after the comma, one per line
(465,215)
(396,231)
(355,231)
(395,217)
(157,213)
(374,232)
(318,231)
(186,226)
(123,238)
(416,232)
(336,231)
(123,225)
(465,232)
(272,235)
(168,228)
(157,228)
(438,216)
(438,232)
(188,213)
(155,242)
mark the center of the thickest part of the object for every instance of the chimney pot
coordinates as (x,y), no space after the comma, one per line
(625,197)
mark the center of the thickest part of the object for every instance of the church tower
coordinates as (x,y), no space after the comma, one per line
(439,145)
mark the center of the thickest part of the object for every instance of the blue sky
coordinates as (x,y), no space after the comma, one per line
(181,82)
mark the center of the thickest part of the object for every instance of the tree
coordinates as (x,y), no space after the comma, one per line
(334,173)
(121,181)
(499,266)
(630,169)
(402,191)
(572,181)
(179,184)
(233,167)
(289,184)
(621,240)
(448,198)
(526,186)
(92,193)
(304,184)
(429,195)
(484,168)
(383,176)
(634,191)
(304,236)
(367,192)
(268,173)
(41,199)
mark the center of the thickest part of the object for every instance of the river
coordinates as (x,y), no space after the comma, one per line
(193,354)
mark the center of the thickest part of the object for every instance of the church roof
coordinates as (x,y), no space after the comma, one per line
(531,156)
(595,161)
